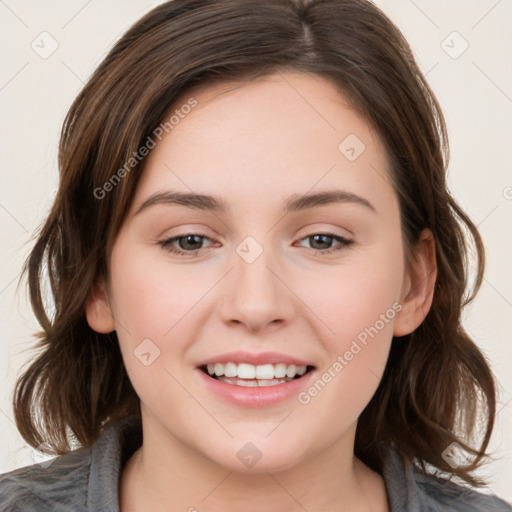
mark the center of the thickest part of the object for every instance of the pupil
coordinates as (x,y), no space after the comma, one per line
(187,241)
(316,237)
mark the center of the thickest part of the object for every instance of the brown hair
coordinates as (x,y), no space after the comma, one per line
(437,384)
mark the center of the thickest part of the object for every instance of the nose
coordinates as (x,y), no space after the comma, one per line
(256,294)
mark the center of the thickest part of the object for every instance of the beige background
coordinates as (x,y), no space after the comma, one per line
(474,89)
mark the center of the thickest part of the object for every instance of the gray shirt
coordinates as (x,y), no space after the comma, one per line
(88,480)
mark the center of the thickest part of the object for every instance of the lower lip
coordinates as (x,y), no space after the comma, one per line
(256,396)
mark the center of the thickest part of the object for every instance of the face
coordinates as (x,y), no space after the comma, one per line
(268,282)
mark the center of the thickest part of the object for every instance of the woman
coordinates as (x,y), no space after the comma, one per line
(258,275)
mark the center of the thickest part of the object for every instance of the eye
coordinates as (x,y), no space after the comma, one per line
(322,241)
(189,244)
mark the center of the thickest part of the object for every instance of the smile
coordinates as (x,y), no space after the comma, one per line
(249,375)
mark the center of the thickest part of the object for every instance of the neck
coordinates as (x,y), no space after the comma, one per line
(164,474)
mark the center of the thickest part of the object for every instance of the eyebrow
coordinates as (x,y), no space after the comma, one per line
(297,202)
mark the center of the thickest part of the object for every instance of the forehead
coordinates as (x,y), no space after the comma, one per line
(280,134)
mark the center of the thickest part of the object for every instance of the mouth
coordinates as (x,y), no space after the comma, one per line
(249,375)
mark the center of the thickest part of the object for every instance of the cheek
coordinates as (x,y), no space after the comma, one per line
(359,307)
(357,357)
(152,296)
(356,299)
(152,305)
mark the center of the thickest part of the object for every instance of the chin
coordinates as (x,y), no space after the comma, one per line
(257,456)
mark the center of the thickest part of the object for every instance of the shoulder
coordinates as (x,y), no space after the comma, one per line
(57,485)
(445,495)
(411,489)
(82,480)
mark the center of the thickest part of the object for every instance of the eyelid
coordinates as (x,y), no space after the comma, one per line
(167,243)
(343,241)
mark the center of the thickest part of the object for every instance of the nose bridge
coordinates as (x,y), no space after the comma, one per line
(255,296)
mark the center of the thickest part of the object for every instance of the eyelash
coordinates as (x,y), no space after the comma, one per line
(167,244)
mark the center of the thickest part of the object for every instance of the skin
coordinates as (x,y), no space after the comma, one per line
(254,145)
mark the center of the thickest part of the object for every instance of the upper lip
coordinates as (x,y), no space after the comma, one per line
(254,359)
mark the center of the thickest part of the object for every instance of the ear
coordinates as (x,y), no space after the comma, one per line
(418,287)
(98,309)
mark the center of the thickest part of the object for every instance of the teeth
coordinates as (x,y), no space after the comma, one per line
(254,382)
(264,372)
(246,371)
(230,370)
(280,371)
(291,370)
